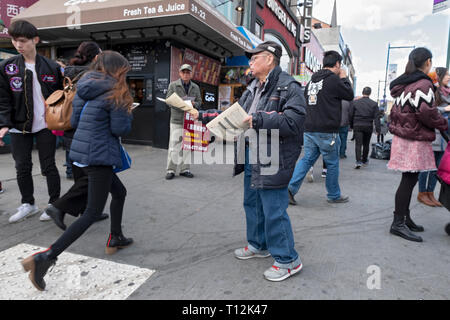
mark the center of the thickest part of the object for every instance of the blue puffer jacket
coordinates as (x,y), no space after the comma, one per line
(96,140)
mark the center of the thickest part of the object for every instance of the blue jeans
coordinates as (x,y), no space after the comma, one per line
(430,176)
(343,135)
(268,224)
(316,144)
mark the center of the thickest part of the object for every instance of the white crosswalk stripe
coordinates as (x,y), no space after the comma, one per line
(74,277)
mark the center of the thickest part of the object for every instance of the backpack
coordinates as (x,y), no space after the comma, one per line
(58,109)
(381,151)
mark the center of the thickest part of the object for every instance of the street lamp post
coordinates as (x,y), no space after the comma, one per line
(387,65)
(379,81)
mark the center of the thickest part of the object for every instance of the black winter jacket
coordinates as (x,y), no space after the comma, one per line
(282,107)
(16,90)
(363,113)
(324,95)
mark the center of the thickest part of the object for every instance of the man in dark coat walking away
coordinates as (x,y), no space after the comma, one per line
(363,113)
(275,104)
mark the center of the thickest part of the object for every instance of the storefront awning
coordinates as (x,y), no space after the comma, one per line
(185,20)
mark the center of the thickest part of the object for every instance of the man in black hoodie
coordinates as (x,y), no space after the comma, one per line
(324,95)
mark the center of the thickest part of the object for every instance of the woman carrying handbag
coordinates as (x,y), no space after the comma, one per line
(101,115)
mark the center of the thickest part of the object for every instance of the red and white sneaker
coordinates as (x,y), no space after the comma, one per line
(245,254)
(277,274)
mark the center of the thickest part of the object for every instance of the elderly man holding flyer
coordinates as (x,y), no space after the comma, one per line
(187,90)
(275,105)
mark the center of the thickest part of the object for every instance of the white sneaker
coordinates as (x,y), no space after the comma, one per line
(245,254)
(310,176)
(26,210)
(45,217)
(277,274)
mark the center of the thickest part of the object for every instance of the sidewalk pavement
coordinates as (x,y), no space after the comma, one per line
(188,229)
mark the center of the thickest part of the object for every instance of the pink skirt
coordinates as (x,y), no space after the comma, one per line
(411,156)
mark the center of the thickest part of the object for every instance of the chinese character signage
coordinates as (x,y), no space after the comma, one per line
(195,135)
(11,8)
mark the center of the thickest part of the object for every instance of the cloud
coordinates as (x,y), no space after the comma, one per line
(375,14)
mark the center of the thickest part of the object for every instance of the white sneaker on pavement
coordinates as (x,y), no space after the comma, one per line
(26,210)
(245,254)
(45,217)
(310,175)
(277,274)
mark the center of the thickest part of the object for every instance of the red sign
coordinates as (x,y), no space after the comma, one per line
(195,135)
(11,8)
(205,69)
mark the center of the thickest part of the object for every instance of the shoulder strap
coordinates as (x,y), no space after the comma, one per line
(84,107)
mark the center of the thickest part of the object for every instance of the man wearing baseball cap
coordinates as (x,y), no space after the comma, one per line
(276,106)
(187,90)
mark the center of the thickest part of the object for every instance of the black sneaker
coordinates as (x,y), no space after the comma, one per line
(170,176)
(1,189)
(187,174)
(291,198)
(342,199)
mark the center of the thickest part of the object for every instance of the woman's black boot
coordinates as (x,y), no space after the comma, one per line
(399,228)
(116,242)
(411,225)
(38,266)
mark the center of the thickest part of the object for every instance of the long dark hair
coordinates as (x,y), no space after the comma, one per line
(85,54)
(116,66)
(417,59)
(441,72)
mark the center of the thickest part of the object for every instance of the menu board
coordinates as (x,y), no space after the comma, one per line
(162,84)
(137,59)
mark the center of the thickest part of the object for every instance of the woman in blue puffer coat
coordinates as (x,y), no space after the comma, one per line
(101,115)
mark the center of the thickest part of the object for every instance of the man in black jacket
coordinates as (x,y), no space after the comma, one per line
(276,106)
(324,95)
(363,113)
(26,80)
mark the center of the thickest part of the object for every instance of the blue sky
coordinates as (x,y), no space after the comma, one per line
(368,27)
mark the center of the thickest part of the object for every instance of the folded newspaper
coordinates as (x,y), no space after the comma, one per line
(175,101)
(229,124)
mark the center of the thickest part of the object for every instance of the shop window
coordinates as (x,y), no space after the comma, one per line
(258,30)
(141,89)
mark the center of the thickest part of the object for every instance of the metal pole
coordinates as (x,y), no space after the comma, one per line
(385,78)
(448,49)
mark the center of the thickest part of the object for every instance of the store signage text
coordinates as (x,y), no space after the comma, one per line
(311,61)
(307,20)
(210,97)
(154,10)
(283,16)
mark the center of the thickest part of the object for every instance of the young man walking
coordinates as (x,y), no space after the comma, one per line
(26,80)
(324,95)
(187,90)
(363,113)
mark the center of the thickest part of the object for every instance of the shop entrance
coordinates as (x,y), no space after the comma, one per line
(141,88)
